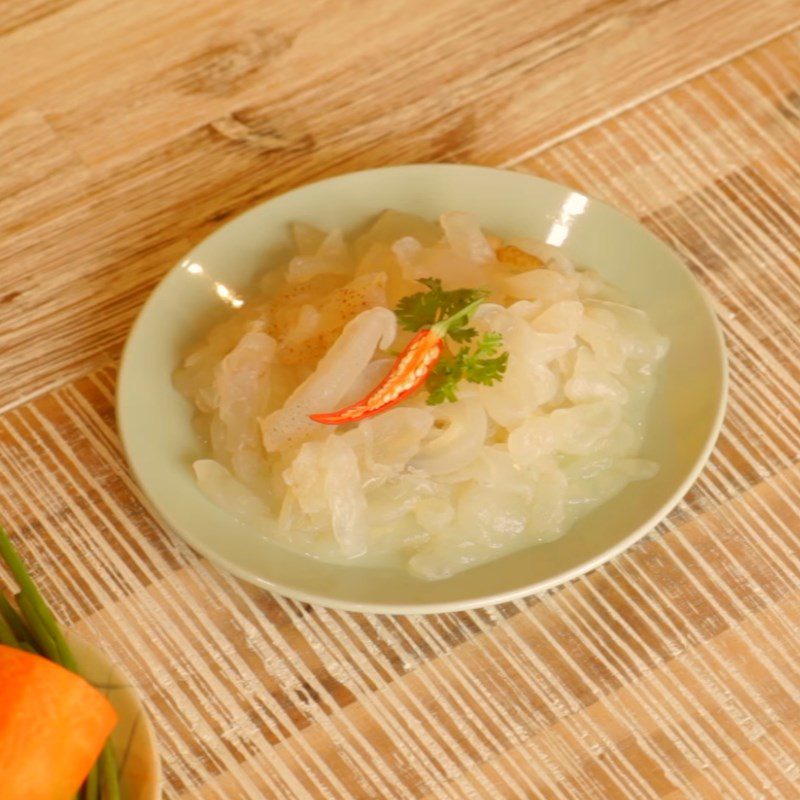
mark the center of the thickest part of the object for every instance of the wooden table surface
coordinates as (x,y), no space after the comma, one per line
(129,129)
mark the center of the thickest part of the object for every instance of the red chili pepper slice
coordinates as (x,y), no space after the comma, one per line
(408,373)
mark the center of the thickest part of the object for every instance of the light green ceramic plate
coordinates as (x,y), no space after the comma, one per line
(133,738)
(155,421)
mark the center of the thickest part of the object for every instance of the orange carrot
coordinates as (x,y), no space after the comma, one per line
(53,725)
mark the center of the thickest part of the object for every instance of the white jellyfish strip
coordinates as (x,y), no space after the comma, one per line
(324,389)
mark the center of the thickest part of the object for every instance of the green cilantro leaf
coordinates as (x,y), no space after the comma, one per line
(475,364)
(420,310)
(424,309)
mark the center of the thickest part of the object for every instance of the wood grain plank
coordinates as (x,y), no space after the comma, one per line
(530,72)
(15,14)
(41,178)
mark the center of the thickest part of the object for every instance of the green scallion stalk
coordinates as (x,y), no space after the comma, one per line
(42,640)
(110,773)
(91,789)
(33,599)
(13,619)
(7,636)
